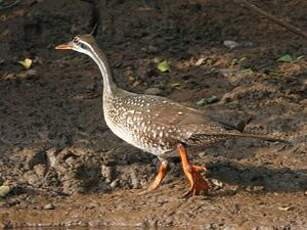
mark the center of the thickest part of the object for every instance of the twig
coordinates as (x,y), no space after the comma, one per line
(8,5)
(280,22)
(95,16)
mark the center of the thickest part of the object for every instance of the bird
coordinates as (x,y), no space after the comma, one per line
(156,124)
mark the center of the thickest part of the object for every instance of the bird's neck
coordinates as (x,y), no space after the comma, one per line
(108,84)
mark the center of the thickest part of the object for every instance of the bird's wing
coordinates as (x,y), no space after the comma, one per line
(205,129)
(184,120)
(189,125)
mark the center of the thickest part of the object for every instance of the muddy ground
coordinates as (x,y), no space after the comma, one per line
(64,167)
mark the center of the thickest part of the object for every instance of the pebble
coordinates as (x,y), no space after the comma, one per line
(231,44)
(51,155)
(49,206)
(200,61)
(217,183)
(106,172)
(114,183)
(153,91)
(254,188)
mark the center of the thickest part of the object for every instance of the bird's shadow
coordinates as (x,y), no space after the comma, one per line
(228,169)
(270,178)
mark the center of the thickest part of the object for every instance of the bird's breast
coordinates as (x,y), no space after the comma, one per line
(138,129)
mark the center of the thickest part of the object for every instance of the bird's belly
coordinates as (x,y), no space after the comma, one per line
(131,137)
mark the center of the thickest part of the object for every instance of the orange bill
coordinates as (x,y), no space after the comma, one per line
(67,46)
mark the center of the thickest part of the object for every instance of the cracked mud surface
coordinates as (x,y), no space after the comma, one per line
(64,166)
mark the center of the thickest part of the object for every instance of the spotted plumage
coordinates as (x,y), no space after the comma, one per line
(156,124)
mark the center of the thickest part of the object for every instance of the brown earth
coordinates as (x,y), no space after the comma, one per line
(64,167)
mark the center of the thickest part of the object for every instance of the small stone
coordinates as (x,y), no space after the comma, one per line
(254,188)
(217,183)
(52,156)
(233,188)
(231,44)
(258,188)
(249,188)
(38,60)
(114,183)
(153,91)
(200,61)
(49,206)
(106,172)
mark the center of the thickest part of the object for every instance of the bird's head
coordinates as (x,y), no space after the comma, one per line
(81,43)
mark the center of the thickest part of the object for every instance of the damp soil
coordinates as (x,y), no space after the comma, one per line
(64,167)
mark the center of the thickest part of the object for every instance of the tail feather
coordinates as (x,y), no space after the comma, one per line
(196,139)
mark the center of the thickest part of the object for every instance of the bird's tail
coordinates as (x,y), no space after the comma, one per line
(205,138)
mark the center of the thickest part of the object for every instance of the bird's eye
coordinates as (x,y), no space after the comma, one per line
(82,46)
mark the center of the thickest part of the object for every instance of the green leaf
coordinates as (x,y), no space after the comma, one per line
(212,99)
(285,58)
(163,66)
(26,63)
(207,100)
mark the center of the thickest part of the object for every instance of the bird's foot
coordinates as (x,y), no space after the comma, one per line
(158,179)
(193,173)
(197,182)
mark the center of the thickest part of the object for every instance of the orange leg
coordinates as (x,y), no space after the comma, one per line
(159,177)
(192,172)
